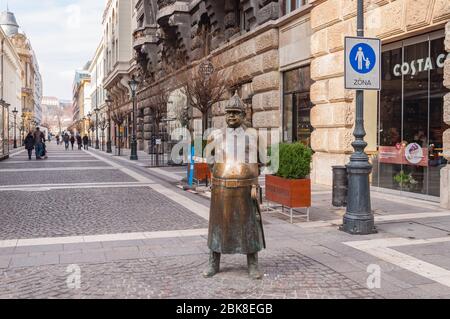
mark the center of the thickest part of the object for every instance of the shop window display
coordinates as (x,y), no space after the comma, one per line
(410,123)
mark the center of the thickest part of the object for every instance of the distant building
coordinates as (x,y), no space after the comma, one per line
(81,99)
(11,70)
(56,114)
(31,88)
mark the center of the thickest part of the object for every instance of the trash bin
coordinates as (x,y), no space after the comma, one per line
(340,186)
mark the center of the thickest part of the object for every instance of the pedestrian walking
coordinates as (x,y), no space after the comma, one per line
(29,144)
(72,141)
(57,139)
(86,142)
(79,141)
(66,139)
(39,139)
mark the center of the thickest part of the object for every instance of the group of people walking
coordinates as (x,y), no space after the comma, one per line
(70,141)
(36,141)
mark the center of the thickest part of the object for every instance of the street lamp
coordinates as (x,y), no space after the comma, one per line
(96,110)
(109,102)
(89,115)
(133,83)
(15,126)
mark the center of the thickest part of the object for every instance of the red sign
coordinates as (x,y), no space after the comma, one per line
(396,155)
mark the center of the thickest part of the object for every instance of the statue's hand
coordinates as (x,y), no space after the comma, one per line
(254,192)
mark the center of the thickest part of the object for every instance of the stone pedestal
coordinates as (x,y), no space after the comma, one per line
(445,172)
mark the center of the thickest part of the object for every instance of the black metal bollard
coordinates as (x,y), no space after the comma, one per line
(340,186)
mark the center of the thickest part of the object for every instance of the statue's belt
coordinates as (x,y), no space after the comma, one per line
(233,183)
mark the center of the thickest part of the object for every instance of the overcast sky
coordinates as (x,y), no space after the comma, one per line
(64,35)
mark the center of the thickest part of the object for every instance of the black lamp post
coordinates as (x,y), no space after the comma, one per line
(97,145)
(109,101)
(15,131)
(89,115)
(133,86)
(358,219)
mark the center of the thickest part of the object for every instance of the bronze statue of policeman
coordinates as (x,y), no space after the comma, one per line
(235,225)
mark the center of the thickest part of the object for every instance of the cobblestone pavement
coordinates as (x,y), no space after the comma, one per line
(288,274)
(54,177)
(133,234)
(72,212)
(49,164)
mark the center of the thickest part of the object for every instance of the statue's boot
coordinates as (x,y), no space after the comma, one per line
(253,269)
(213,266)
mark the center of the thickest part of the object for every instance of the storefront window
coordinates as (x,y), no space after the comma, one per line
(297,106)
(410,116)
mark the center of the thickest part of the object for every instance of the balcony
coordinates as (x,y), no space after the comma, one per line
(144,35)
(167,8)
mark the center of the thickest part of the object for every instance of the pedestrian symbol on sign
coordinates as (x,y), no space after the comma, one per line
(362,63)
(362,58)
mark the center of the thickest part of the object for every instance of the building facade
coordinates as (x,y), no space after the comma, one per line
(286,60)
(10,90)
(98,94)
(31,87)
(81,105)
(405,120)
(118,25)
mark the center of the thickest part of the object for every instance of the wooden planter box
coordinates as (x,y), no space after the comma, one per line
(202,172)
(288,192)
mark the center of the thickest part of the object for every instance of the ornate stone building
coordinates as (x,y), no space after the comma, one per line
(10,93)
(118,25)
(31,77)
(242,40)
(286,60)
(22,84)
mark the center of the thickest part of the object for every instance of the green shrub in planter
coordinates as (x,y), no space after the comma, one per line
(294,161)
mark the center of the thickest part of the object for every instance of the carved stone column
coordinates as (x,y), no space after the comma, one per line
(445,172)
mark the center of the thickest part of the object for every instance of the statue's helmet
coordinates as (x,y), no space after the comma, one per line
(235,104)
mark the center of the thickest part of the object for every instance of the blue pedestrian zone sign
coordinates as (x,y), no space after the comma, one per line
(362,63)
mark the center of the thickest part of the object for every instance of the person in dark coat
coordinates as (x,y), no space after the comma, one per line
(72,141)
(39,140)
(79,141)
(29,144)
(86,142)
(66,140)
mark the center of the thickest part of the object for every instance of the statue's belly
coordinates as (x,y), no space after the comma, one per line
(233,170)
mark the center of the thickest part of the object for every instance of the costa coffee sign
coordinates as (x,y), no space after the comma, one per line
(420,65)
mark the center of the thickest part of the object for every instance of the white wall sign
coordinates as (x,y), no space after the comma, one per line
(362,63)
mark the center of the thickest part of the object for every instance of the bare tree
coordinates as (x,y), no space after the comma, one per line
(103,123)
(118,116)
(204,90)
(159,102)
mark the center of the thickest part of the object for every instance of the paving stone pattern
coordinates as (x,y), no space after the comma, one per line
(288,274)
(65,177)
(88,211)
